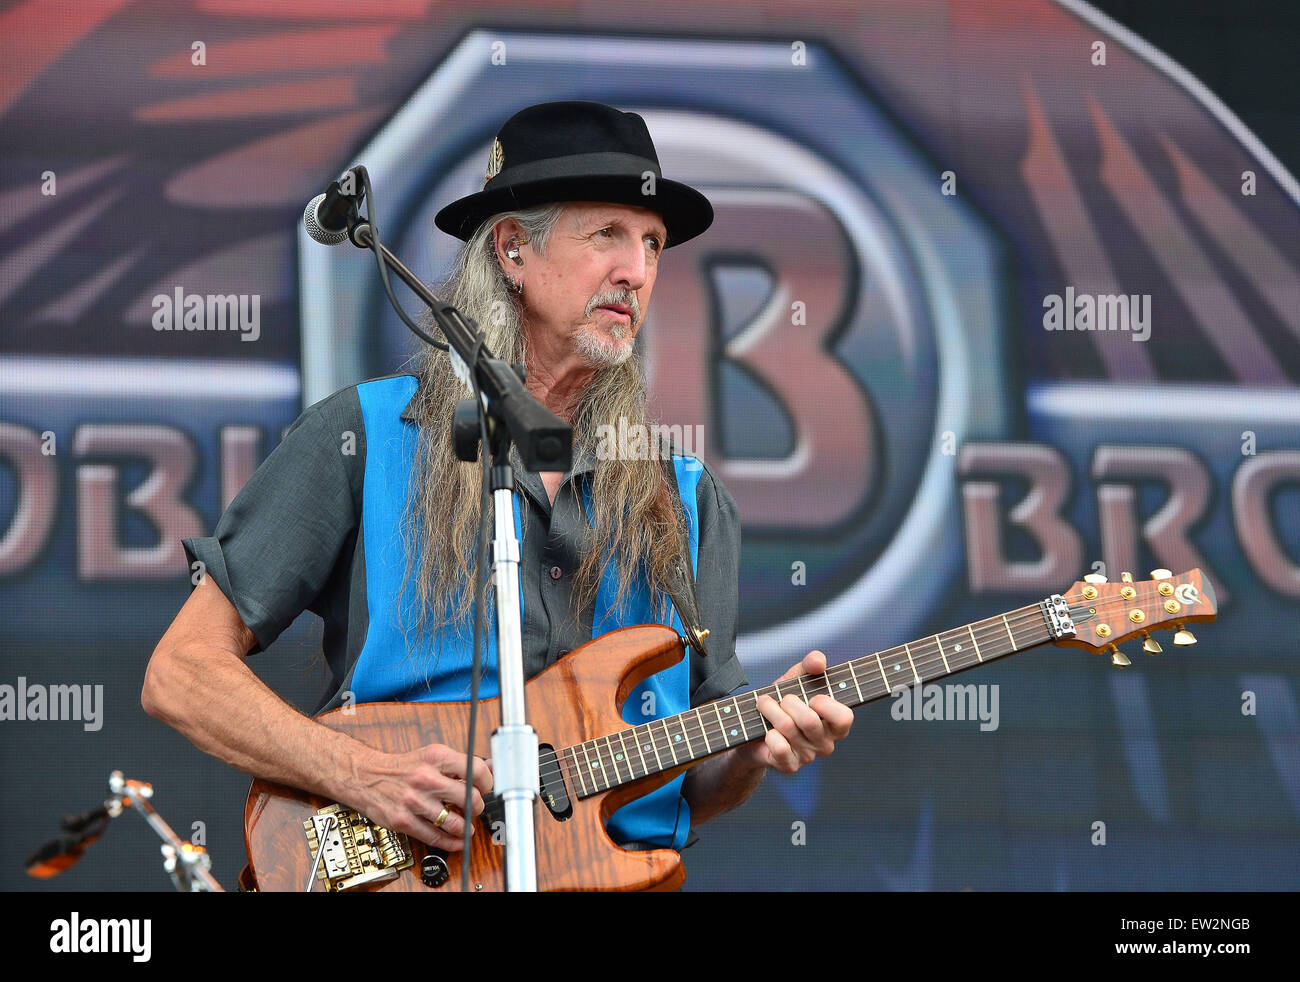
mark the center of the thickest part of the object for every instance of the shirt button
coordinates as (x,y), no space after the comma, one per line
(556,572)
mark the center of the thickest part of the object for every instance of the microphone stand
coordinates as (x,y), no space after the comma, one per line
(188,865)
(510,414)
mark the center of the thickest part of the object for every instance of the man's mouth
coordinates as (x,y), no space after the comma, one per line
(617,311)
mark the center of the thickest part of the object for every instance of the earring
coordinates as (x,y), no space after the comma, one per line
(513,253)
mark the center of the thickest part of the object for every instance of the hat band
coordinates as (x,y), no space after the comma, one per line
(604,164)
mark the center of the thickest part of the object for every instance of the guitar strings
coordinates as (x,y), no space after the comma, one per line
(701,728)
(607,756)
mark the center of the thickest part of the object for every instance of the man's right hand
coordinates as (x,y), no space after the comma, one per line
(407,792)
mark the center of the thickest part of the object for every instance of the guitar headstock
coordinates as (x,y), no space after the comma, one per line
(1107,614)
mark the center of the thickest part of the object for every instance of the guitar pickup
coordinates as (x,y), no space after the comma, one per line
(554,795)
(494,815)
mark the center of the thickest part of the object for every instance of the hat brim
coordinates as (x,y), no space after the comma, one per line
(685,211)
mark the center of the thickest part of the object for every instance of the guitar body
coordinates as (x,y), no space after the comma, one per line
(576,699)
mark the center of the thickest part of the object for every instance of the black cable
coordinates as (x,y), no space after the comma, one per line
(383,267)
(480,555)
(480,594)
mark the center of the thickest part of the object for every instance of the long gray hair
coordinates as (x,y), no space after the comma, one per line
(635,523)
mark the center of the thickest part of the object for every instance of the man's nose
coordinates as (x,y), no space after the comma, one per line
(631,269)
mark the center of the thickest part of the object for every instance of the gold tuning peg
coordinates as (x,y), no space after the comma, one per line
(1150,645)
(1117,657)
(1161,574)
(1094,578)
(1184,637)
(1126,577)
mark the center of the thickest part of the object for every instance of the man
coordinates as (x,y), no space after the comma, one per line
(364,515)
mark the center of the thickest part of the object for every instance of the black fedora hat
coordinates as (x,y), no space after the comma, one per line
(577,151)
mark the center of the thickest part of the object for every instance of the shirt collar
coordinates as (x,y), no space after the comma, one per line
(408,414)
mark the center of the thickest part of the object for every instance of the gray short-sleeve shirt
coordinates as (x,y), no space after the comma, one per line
(292,540)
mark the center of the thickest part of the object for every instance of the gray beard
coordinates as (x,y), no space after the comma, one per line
(595,351)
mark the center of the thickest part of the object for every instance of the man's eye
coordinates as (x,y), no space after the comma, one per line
(655,240)
(607,228)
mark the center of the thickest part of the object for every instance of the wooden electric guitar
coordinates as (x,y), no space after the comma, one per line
(592,761)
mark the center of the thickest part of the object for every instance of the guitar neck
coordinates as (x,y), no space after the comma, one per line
(609,761)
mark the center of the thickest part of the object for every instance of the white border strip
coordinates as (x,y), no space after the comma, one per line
(95,378)
(1181,403)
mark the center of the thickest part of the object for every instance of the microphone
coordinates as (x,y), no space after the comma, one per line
(59,853)
(326,216)
(79,823)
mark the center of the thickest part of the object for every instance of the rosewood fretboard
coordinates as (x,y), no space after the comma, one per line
(606,762)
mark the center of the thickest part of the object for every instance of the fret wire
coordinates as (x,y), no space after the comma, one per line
(690,750)
(908,652)
(735,704)
(609,762)
(654,746)
(589,768)
(661,764)
(600,770)
(818,683)
(638,734)
(722,729)
(614,755)
(622,742)
(721,725)
(576,771)
(623,737)
(613,762)
(669,738)
(882,670)
(703,732)
(855,682)
(602,765)
(636,740)
(833,680)
(605,764)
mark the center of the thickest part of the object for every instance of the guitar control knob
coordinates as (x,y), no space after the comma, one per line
(434,871)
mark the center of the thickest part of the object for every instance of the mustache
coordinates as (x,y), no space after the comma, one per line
(625,297)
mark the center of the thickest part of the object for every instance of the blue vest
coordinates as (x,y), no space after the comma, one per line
(387,672)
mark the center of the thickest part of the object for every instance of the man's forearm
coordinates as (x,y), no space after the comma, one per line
(224,709)
(721,783)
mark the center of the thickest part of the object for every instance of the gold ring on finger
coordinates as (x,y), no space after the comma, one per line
(442,817)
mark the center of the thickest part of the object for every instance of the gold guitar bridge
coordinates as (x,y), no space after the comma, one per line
(356,852)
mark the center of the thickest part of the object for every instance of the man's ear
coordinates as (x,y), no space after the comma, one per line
(502,235)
